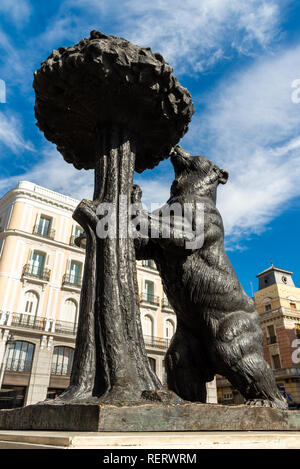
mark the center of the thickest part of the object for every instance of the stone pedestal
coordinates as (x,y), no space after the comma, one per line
(149,417)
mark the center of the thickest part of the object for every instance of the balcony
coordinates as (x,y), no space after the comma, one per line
(36,272)
(50,234)
(26,321)
(150,299)
(71,281)
(165,304)
(157,342)
(66,328)
(272,340)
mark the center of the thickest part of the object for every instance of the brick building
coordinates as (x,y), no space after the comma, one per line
(278,303)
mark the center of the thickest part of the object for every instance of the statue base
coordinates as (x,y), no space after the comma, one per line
(152,417)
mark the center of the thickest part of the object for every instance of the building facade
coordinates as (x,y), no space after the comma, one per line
(40,283)
(278,303)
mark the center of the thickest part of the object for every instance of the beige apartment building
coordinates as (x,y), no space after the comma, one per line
(278,303)
(40,283)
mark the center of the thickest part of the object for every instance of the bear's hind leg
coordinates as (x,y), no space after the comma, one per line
(239,357)
(184,362)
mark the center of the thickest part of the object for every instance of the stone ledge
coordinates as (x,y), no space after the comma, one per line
(148,417)
(150,441)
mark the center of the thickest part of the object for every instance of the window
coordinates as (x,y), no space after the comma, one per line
(272,339)
(297,328)
(227,396)
(152,362)
(149,291)
(31,302)
(78,231)
(147,324)
(44,226)
(20,355)
(268,307)
(149,263)
(69,311)
(75,273)
(293,305)
(62,360)
(37,263)
(276,361)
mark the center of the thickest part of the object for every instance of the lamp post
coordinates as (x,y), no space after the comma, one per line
(10,340)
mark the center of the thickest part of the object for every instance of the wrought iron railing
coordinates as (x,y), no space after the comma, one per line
(165,303)
(158,342)
(72,280)
(27,321)
(30,270)
(50,233)
(65,327)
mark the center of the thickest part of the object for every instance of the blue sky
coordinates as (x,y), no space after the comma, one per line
(237,58)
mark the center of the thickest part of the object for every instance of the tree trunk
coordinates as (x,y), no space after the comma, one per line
(128,373)
(110,360)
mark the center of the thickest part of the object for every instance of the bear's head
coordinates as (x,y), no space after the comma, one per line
(195,174)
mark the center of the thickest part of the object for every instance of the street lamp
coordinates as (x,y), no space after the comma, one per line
(10,340)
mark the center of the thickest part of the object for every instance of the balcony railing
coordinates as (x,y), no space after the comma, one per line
(148,298)
(37,272)
(165,303)
(272,340)
(65,327)
(27,321)
(46,234)
(158,342)
(72,280)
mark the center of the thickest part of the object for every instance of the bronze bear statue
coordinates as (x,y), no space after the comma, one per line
(218,328)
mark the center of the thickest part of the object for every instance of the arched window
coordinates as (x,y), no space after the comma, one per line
(147,325)
(169,329)
(62,360)
(20,355)
(152,362)
(69,311)
(31,302)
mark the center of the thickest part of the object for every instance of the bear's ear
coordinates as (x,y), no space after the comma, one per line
(224,175)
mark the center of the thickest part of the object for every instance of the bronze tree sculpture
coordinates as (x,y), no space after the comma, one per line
(114,107)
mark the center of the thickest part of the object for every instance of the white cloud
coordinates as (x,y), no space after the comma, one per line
(251,127)
(192,35)
(11,133)
(55,174)
(18,11)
